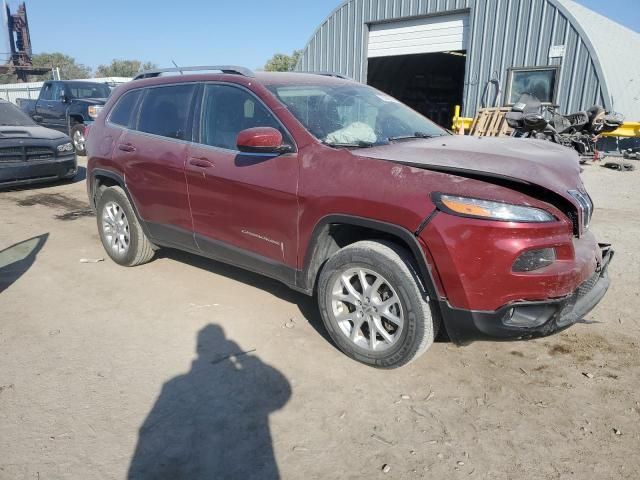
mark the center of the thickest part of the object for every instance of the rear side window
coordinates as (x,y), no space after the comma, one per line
(165,111)
(123,113)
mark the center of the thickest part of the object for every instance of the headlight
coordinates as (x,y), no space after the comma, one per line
(476,208)
(65,147)
(94,110)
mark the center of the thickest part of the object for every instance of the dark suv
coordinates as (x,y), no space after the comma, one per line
(340,191)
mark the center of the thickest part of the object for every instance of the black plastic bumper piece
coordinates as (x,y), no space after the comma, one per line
(26,173)
(466,326)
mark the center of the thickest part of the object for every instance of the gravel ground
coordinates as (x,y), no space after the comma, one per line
(185,366)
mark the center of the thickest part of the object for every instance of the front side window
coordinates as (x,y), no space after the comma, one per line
(539,82)
(122,113)
(352,114)
(226,111)
(165,111)
(57,91)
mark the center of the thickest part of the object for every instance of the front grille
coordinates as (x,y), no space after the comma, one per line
(11,154)
(38,153)
(582,290)
(25,154)
(585,211)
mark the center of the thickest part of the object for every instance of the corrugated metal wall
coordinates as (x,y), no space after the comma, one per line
(504,33)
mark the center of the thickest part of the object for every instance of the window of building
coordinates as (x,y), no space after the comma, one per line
(540,82)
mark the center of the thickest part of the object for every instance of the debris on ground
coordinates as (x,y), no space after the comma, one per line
(587,374)
(386,468)
(291,323)
(380,439)
(617,432)
(91,260)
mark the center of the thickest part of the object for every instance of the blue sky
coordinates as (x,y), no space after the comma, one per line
(243,32)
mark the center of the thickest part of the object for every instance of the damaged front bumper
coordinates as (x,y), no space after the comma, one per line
(522,320)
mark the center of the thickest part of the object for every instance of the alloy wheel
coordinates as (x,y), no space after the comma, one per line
(367,309)
(115,227)
(78,140)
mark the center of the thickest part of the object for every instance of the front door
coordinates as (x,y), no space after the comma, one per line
(244,206)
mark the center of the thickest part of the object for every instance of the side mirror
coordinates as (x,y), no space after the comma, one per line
(63,97)
(261,140)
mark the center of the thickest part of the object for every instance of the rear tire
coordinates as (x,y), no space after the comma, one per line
(392,304)
(120,232)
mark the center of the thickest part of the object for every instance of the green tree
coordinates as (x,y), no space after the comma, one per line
(69,68)
(123,68)
(281,62)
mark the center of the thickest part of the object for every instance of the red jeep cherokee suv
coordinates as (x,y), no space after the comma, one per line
(340,191)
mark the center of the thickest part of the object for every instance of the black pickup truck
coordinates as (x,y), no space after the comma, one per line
(68,106)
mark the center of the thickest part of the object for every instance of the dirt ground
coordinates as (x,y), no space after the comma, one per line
(187,366)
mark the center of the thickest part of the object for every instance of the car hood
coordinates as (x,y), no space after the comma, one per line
(32,131)
(526,161)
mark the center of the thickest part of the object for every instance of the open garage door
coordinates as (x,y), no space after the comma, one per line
(419,35)
(421,62)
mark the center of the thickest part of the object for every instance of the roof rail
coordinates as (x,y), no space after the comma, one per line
(330,74)
(228,69)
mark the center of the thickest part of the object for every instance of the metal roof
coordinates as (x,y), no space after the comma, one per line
(601,63)
(617,49)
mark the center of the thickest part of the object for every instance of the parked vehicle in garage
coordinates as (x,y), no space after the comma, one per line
(30,153)
(68,106)
(340,191)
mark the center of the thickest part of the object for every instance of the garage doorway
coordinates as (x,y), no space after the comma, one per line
(421,62)
(430,83)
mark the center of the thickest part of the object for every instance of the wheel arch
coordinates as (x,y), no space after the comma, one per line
(334,232)
(106,178)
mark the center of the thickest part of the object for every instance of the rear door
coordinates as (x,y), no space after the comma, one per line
(243,205)
(153,155)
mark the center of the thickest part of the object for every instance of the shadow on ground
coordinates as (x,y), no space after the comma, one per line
(306,304)
(18,258)
(213,422)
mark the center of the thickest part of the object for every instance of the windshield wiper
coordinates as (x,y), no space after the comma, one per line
(358,144)
(415,135)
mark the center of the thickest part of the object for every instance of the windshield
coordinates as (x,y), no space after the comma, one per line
(353,115)
(10,115)
(88,90)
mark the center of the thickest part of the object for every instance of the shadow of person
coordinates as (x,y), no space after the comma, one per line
(18,258)
(213,422)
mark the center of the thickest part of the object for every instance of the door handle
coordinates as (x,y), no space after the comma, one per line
(201,162)
(126,147)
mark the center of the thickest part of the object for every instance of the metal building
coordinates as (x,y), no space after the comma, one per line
(435,54)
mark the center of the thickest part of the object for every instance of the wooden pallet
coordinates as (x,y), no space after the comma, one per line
(491,122)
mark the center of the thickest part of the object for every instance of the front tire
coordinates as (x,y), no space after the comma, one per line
(78,139)
(373,306)
(120,232)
